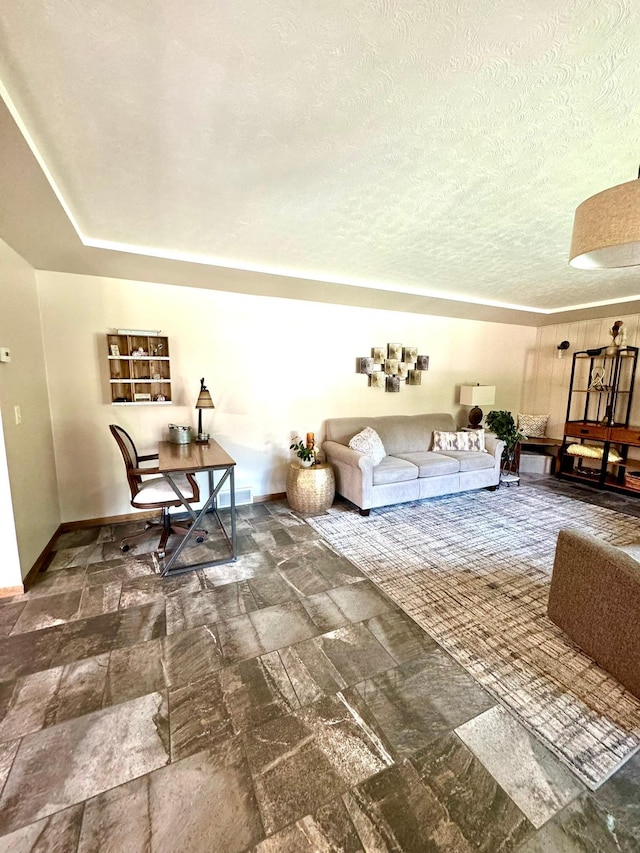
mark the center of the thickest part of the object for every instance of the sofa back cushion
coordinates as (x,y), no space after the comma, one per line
(399,433)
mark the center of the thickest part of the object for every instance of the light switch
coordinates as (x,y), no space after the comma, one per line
(5,354)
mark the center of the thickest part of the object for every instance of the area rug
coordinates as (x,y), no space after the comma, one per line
(473,570)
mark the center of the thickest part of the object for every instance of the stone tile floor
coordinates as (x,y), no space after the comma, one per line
(280,703)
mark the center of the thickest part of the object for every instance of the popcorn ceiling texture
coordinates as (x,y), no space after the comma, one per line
(426,147)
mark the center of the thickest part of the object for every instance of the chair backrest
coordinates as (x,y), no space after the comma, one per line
(130,456)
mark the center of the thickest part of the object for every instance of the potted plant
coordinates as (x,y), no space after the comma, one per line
(504,426)
(304,452)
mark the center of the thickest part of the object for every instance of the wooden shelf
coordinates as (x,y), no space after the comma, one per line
(139,369)
(599,418)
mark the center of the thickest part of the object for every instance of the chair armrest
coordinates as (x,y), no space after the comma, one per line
(148,457)
(143,471)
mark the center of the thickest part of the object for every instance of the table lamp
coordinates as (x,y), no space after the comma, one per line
(476,396)
(204,401)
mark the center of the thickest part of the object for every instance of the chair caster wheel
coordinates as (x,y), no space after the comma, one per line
(161,554)
(199,539)
(125,547)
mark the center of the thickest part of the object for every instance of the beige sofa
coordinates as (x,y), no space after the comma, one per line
(410,470)
(595,599)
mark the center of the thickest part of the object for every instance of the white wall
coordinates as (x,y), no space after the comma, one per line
(273,366)
(547,377)
(29,446)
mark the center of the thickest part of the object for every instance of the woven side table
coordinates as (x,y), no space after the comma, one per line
(310,489)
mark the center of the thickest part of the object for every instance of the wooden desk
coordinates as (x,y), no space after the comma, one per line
(191,458)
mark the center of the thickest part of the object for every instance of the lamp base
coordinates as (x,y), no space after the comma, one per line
(203,438)
(475,417)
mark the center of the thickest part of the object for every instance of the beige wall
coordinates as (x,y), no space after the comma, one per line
(29,446)
(547,377)
(274,367)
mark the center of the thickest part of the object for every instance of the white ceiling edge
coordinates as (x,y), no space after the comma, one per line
(37,222)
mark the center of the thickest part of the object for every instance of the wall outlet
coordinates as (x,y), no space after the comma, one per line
(5,354)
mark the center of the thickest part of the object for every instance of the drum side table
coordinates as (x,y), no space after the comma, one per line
(311,489)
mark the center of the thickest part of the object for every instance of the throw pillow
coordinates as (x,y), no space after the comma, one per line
(533,426)
(590,451)
(369,442)
(472,440)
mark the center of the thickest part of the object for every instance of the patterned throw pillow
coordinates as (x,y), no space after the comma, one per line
(533,426)
(469,440)
(369,442)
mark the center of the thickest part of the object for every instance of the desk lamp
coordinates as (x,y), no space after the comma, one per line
(204,401)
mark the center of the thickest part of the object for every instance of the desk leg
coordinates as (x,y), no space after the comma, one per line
(197,518)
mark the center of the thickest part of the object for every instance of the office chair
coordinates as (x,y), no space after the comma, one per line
(154,493)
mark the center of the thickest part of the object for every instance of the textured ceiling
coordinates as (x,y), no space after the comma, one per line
(424,148)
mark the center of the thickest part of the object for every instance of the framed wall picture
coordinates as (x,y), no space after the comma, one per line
(394,351)
(364,365)
(409,355)
(378,354)
(422,362)
(377,380)
(391,366)
(114,349)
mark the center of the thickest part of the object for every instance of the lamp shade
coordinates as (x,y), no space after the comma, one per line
(606,229)
(477,395)
(204,400)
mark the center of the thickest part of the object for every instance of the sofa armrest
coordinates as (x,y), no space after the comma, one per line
(493,445)
(353,472)
(340,453)
(595,599)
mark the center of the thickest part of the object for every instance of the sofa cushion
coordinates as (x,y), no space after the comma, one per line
(470,460)
(431,464)
(394,470)
(368,442)
(472,440)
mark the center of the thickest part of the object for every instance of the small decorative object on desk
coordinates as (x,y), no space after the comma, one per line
(306,453)
(179,434)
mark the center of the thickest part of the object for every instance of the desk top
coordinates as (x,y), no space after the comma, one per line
(192,457)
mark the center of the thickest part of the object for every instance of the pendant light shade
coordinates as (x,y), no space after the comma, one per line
(606,229)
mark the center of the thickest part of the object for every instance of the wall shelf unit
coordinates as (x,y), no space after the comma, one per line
(139,368)
(600,447)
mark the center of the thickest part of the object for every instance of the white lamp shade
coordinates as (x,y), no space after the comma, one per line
(606,229)
(477,395)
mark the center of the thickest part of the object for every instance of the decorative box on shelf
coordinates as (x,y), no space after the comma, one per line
(139,367)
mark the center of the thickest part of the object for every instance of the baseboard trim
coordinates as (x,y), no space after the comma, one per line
(40,564)
(9,591)
(68,526)
(262,499)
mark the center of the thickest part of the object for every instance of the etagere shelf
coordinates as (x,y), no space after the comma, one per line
(139,368)
(600,447)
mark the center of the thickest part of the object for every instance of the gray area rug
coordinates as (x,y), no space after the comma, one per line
(474,570)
